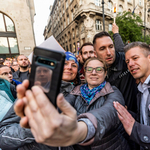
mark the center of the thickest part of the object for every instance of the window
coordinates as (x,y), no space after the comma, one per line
(110,5)
(75,8)
(60,14)
(97,2)
(73,35)
(8,40)
(59,3)
(66,4)
(110,27)
(64,24)
(120,9)
(63,9)
(77,31)
(68,20)
(98,25)
(61,27)
(140,2)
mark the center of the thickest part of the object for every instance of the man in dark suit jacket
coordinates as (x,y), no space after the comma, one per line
(138,61)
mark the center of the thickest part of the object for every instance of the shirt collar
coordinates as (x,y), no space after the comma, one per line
(141,86)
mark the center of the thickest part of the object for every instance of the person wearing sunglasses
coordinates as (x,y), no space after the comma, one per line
(88,116)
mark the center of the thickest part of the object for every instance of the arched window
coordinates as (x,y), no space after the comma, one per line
(8,39)
(120,8)
(98,25)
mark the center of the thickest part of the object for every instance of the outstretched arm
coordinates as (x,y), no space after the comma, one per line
(57,129)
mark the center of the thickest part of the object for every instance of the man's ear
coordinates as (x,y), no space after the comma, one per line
(95,54)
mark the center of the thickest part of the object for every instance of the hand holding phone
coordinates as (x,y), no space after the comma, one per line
(46,71)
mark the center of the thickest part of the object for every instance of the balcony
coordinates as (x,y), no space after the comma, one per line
(93,9)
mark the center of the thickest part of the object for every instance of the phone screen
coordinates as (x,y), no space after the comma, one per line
(43,78)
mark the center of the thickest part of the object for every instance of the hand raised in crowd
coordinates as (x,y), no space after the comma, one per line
(125,117)
(115,28)
(47,125)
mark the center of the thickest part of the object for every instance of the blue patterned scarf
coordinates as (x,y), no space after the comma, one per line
(88,94)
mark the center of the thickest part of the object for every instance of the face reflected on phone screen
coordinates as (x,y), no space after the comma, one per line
(43,78)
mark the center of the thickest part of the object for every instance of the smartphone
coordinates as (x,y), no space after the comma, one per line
(46,71)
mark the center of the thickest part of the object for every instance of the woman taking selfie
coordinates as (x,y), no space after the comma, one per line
(10,123)
(98,125)
(11,139)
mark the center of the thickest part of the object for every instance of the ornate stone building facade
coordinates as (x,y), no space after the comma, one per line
(74,22)
(16,27)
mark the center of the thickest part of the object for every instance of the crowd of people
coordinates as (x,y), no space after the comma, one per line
(104,100)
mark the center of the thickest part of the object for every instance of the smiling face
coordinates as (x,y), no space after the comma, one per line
(70,71)
(95,79)
(105,50)
(138,64)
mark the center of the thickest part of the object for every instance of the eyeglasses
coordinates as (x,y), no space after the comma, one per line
(97,69)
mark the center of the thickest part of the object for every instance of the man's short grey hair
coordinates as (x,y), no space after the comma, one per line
(145,47)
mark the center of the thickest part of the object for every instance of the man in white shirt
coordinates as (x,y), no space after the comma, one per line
(137,56)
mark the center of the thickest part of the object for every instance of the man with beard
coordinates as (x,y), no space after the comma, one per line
(23,71)
(85,52)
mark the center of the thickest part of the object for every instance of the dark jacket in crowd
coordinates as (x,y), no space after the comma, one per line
(17,76)
(13,136)
(101,112)
(119,76)
(140,132)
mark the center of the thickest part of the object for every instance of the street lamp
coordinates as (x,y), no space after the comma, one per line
(103,15)
(144,19)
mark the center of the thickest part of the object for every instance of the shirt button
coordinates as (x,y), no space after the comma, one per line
(145,138)
(146,147)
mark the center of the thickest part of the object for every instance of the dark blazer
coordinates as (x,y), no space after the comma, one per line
(140,132)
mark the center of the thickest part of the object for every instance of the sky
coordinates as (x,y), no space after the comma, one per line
(40,20)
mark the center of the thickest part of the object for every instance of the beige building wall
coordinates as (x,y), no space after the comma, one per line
(22,14)
(74,22)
